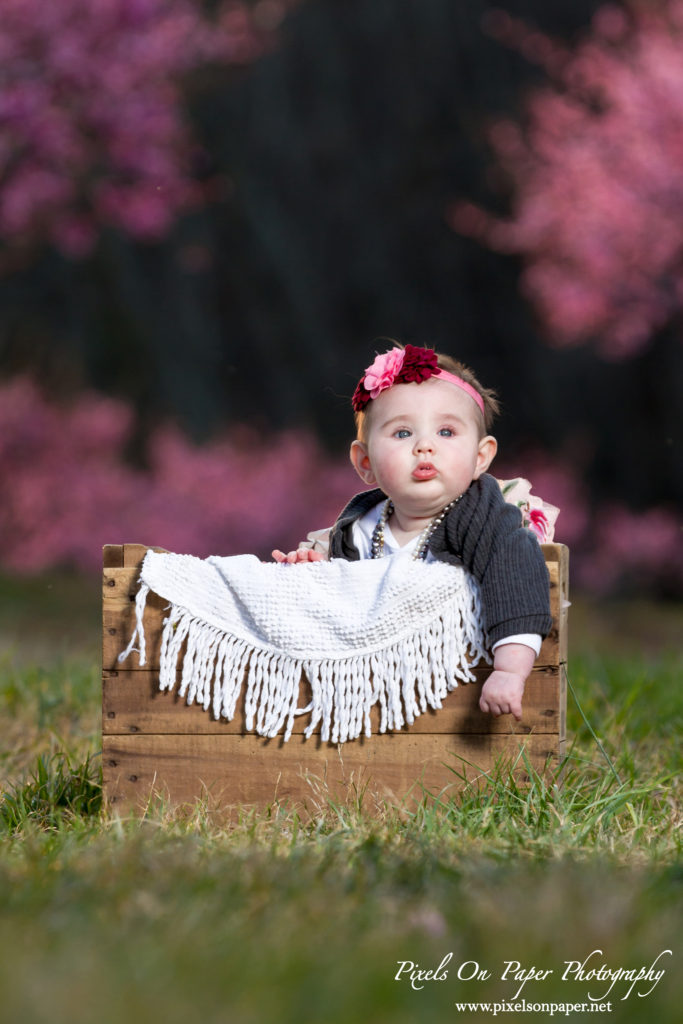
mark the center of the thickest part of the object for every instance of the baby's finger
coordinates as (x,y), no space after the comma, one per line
(308,555)
(278,555)
(494,707)
(292,557)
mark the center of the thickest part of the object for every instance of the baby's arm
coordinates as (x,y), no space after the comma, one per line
(502,692)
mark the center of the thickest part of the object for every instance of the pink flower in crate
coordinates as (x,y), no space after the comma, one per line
(537,515)
(516,492)
(538,522)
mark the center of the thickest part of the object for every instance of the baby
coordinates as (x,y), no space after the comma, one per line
(423,446)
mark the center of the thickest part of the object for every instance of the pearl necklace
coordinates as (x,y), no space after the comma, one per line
(420,552)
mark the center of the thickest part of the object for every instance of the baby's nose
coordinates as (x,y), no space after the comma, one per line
(424,444)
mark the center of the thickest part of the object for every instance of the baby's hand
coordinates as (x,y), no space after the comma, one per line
(300,555)
(502,694)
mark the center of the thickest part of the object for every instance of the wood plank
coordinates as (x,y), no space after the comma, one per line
(552,552)
(231,769)
(112,556)
(133,554)
(563,603)
(119,587)
(133,704)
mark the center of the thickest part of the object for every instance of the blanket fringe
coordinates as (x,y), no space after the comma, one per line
(403,680)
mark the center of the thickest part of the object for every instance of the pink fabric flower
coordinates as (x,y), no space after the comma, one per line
(384,371)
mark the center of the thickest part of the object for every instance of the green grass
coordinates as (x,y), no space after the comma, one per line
(55,793)
(177,918)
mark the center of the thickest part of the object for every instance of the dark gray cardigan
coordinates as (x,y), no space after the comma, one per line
(484,534)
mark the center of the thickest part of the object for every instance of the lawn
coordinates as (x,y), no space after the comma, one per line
(275,919)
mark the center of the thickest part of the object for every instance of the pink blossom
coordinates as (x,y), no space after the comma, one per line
(643,547)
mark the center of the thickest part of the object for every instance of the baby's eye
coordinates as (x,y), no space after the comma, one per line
(401,433)
(446,432)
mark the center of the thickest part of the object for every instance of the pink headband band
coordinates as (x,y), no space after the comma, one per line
(460,383)
(406,366)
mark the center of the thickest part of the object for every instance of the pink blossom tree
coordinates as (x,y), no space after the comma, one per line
(596,174)
(92,125)
(70,489)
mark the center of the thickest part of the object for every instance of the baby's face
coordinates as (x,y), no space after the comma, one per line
(423,445)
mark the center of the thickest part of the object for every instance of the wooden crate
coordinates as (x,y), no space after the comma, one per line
(154,743)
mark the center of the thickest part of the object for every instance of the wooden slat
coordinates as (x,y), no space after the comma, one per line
(563,602)
(133,554)
(233,769)
(112,556)
(552,552)
(120,587)
(132,703)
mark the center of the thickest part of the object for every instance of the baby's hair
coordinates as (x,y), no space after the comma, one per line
(445,362)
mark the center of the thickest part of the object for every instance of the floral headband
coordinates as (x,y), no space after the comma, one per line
(405,366)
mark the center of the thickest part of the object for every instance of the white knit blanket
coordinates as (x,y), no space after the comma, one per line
(391,633)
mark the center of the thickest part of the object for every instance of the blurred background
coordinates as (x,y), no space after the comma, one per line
(212,213)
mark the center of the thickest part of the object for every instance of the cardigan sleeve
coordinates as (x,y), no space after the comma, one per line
(485,534)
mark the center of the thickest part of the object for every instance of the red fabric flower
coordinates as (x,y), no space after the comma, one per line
(361,397)
(418,364)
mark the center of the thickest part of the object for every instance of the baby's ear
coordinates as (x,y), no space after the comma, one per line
(360,460)
(488,446)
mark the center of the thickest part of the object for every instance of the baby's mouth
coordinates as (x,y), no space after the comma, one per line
(425,471)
